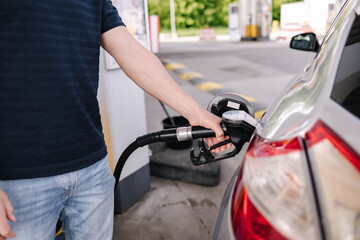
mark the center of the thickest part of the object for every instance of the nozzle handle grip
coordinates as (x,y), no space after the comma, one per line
(201,132)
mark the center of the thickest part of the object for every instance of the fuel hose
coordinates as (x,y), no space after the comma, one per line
(168,135)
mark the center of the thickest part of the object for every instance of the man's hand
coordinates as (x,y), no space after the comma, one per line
(208,120)
(6,213)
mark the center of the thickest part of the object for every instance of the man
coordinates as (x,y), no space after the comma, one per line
(53,156)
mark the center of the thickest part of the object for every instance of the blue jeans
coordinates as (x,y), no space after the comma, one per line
(84,201)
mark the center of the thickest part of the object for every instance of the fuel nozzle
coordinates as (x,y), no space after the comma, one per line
(240,127)
(237,123)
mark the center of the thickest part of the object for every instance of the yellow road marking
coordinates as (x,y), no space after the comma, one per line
(259,114)
(208,86)
(205,86)
(174,66)
(187,76)
(250,99)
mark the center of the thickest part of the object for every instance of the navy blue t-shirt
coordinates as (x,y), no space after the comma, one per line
(49,73)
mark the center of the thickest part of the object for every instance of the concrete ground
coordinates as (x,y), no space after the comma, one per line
(174,209)
(179,210)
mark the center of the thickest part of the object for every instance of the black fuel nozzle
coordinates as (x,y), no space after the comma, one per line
(179,134)
(237,123)
(239,126)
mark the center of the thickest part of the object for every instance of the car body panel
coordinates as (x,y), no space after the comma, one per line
(223,226)
(305,100)
(297,107)
(332,114)
(292,29)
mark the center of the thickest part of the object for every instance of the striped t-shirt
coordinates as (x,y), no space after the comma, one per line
(49,73)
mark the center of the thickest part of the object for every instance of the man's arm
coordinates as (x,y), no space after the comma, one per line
(145,69)
(6,213)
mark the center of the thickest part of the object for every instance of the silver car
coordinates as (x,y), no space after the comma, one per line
(300,177)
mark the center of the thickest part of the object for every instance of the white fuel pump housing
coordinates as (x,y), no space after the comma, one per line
(122,108)
(233,11)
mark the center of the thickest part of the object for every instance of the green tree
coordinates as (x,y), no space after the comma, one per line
(200,13)
(192,13)
(162,9)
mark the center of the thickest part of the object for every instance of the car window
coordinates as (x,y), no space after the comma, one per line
(346,89)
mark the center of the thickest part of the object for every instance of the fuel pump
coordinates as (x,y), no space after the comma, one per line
(238,123)
(255,19)
(233,13)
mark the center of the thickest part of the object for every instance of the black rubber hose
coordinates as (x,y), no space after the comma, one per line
(139,142)
(122,160)
(167,135)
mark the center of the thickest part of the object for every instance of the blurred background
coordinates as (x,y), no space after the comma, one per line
(250,18)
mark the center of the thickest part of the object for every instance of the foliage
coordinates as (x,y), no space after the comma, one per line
(191,13)
(162,9)
(181,32)
(277,7)
(200,13)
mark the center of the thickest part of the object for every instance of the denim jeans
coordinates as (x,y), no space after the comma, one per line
(84,201)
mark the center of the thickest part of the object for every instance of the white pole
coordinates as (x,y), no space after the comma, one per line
(172,18)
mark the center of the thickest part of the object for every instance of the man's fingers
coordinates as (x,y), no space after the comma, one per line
(9,211)
(8,233)
(5,230)
(215,140)
(222,148)
(209,142)
(219,135)
(6,212)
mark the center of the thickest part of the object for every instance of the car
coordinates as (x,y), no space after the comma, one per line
(300,175)
(291,29)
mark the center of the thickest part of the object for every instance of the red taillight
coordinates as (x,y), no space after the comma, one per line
(320,132)
(337,176)
(273,196)
(248,222)
(272,199)
(261,148)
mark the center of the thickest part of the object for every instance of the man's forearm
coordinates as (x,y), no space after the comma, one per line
(147,72)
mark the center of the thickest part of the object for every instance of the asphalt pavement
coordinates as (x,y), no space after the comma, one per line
(174,209)
(180,210)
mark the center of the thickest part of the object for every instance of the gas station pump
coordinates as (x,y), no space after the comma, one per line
(265,18)
(248,25)
(122,108)
(234,22)
(255,18)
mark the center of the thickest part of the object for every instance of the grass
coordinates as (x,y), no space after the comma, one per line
(183,32)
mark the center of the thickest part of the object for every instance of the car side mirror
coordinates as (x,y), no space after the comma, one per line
(305,42)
